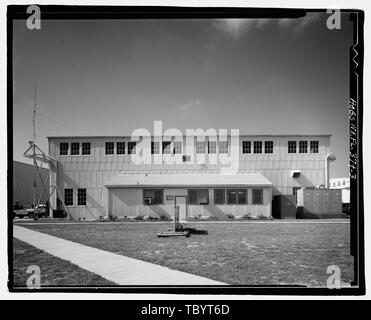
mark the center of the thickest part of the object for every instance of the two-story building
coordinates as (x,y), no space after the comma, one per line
(97,176)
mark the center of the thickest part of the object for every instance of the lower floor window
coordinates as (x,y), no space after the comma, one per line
(153,196)
(81,197)
(68,197)
(219,196)
(198,196)
(257,196)
(237,196)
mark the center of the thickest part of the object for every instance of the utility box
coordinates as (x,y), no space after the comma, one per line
(284,207)
(319,203)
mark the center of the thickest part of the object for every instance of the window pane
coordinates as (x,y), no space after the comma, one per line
(192,196)
(303,146)
(223,146)
(246,146)
(212,147)
(81,197)
(203,196)
(242,196)
(258,146)
(177,147)
(166,147)
(314,147)
(75,148)
(131,147)
(201,147)
(232,196)
(110,148)
(219,196)
(155,147)
(68,197)
(86,148)
(268,146)
(63,148)
(158,199)
(292,146)
(120,146)
(257,196)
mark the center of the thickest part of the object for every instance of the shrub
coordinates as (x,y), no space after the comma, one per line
(246,216)
(113,218)
(230,216)
(139,218)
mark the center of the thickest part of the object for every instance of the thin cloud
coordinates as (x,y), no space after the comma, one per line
(238,27)
(189,105)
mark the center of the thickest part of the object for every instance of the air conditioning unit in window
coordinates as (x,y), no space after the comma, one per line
(147,200)
(295,173)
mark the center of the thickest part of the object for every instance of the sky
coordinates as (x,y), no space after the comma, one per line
(109,77)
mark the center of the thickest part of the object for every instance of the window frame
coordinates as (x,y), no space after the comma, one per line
(301,148)
(316,143)
(289,147)
(257,149)
(106,148)
(132,147)
(60,148)
(200,147)
(224,197)
(269,148)
(154,196)
(120,143)
(73,144)
(166,147)
(78,197)
(246,147)
(177,147)
(237,201)
(65,198)
(253,190)
(82,148)
(213,148)
(223,144)
(198,190)
(153,149)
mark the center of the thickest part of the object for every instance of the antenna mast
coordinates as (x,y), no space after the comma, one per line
(34,152)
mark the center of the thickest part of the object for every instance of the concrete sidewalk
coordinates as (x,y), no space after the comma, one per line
(114,267)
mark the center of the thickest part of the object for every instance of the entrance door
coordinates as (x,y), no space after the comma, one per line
(181,201)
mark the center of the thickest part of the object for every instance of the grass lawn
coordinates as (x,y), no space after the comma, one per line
(234,253)
(53,271)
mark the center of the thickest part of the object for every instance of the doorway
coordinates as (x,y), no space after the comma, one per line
(181,201)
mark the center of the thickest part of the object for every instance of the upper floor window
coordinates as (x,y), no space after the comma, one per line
(63,148)
(166,147)
(246,146)
(200,146)
(75,148)
(131,147)
(85,148)
(268,146)
(292,146)
(211,147)
(314,147)
(303,146)
(110,148)
(177,147)
(258,146)
(120,147)
(223,146)
(155,147)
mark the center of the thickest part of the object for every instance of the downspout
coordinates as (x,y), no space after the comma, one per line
(329,158)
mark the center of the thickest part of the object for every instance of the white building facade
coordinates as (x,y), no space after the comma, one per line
(97,176)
